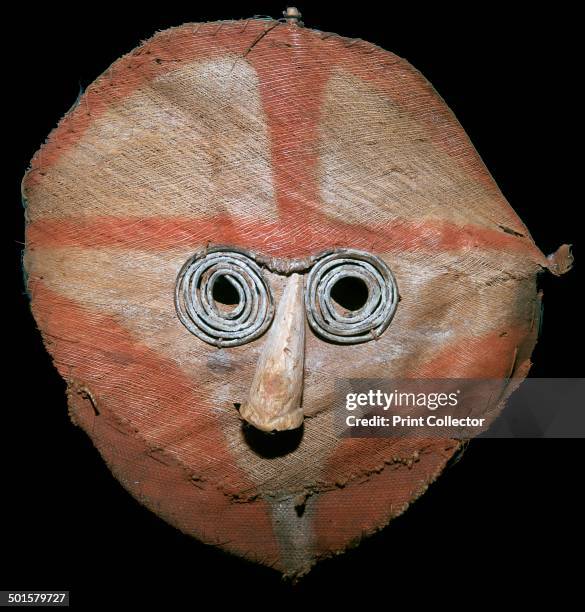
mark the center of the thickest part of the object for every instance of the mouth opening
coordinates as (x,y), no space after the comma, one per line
(272,444)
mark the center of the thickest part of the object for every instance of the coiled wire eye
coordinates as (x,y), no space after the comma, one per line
(356,322)
(199,308)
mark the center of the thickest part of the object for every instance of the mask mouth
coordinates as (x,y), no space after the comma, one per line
(270,445)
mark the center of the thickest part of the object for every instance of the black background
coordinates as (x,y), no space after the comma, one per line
(504,518)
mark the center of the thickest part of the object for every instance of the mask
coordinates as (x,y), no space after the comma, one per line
(234,216)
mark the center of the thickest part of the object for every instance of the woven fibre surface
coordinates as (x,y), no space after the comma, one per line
(286,141)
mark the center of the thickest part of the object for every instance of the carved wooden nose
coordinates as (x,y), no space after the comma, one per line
(274,402)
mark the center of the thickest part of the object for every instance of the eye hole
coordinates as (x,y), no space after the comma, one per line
(222,297)
(351,297)
(350,293)
(225,293)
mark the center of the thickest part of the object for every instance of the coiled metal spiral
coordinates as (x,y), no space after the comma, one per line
(368,321)
(198,311)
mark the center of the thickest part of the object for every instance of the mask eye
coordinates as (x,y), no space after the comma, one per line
(350,297)
(222,298)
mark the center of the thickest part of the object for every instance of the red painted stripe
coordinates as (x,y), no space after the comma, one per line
(366,504)
(127,378)
(162,54)
(395,79)
(345,515)
(291,80)
(286,238)
(484,357)
(293,72)
(488,356)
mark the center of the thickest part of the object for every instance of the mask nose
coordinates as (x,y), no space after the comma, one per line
(274,401)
